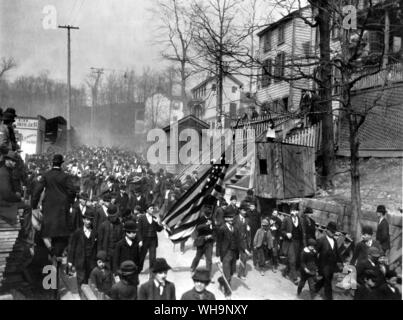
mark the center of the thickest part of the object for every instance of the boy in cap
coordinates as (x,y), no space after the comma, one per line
(262,244)
(158,287)
(101,276)
(382,231)
(201,279)
(126,288)
(127,248)
(309,267)
(83,248)
(110,232)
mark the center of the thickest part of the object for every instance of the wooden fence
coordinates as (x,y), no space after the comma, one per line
(392,73)
(309,137)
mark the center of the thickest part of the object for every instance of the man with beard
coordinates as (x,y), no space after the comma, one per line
(110,233)
(201,279)
(230,246)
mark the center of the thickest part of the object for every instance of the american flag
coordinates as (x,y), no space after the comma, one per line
(182,219)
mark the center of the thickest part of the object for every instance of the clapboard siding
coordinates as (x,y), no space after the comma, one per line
(293,47)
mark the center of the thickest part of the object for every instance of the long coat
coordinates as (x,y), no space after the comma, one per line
(286,227)
(382,235)
(224,240)
(59,196)
(76,252)
(144,227)
(148,291)
(7,192)
(327,257)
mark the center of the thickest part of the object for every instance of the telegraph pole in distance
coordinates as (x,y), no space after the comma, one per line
(68,27)
(98,72)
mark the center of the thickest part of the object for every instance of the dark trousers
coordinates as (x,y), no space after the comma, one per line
(229,268)
(84,274)
(207,250)
(262,253)
(326,282)
(293,259)
(149,245)
(311,283)
(275,252)
(243,257)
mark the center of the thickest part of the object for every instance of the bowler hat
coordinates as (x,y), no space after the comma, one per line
(390,274)
(331,226)
(89,213)
(381,208)
(58,159)
(160,265)
(202,275)
(308,210)
(294,206)
(130,226)
(7,116)
(228,213)
(127,267)
(249,192)
(11,111)
(101,255)
(367,230)
(112,210)
(233,197)
(374,252)
(11,156)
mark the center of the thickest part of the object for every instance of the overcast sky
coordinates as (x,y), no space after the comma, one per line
(113,34)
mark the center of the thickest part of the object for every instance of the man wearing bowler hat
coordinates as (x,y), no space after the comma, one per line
(229,238)
(158,287)
(293,239)
(59,196)
(201,279)
(308,225)
(382,231)
(78,209)
(110,232)
(126,288)
(83,249)
(328,258)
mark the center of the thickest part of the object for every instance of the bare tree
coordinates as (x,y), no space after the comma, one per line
(6,65)
(176,36)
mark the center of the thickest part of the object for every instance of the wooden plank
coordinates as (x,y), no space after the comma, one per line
(88,293)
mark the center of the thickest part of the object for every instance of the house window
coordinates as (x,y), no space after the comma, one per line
(266,73)
(267,42)
(307,48)
(234,89)
(281,32)
(279,66)
(232,110)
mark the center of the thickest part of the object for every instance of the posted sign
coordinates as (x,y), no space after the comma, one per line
(27,131)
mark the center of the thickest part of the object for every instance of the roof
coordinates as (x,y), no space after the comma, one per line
(284,19)
(382,127)
(187,118)
(213,77)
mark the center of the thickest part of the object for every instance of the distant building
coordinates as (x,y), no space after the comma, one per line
(204,103)
(163,107)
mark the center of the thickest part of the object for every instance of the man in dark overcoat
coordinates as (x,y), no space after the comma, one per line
(58,198)
(82,250)
(382,231)
(328,259)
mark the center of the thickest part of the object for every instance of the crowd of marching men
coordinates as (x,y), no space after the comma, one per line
(101,208)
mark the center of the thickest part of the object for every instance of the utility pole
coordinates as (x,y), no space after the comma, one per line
(98,72)
(68,27)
